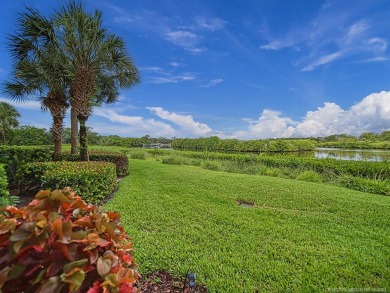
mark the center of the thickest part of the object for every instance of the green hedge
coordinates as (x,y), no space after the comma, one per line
(13,157)
(3,185)
(93,181)
(121,161)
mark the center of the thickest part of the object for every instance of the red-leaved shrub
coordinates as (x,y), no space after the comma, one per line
(58,243)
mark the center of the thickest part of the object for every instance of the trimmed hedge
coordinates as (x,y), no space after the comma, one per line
(121,161)
(93,181)
(13,157)
(4,194)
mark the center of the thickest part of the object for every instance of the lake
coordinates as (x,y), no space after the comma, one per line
(353,154)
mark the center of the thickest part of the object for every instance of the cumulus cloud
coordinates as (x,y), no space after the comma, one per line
(186,123)
(372,114)
(135,125)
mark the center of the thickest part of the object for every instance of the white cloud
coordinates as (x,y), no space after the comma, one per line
(213,82)
(211,24)
(184,39)
(377,44)
(138,125)
(175,64)
(170,78)
(186,123)
(269,125)
(331,36)
(323,60)
(28,104)
(372,114)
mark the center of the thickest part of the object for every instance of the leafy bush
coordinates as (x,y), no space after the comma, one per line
(174,160)
(58,243)
(14,157)
(121,161)
(5,197)
(310,176)
(140,155)
(366,185)
(93,181)
(211,165)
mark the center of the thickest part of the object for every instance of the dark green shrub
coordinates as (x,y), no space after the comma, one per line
(365,185)
(13,157)
(211,165)
(310,176)
(139,155)
(58,243)
(5,197)
(121,161)
(94,181)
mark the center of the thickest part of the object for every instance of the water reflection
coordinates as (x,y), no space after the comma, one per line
(352,155)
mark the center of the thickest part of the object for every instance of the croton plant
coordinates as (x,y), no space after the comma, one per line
(58,243)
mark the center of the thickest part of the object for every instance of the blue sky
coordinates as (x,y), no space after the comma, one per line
(239,69)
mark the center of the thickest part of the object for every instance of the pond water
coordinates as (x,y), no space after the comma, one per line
(353,154)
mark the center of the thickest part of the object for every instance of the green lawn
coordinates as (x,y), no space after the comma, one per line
(300,236)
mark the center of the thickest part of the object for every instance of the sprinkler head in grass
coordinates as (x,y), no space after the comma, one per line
(191,277)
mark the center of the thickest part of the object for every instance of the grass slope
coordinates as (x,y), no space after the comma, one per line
(299,237)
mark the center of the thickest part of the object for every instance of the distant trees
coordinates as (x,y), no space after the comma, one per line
(8,119)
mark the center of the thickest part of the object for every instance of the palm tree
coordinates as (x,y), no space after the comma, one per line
(39,69)
(95,55)
(8,118)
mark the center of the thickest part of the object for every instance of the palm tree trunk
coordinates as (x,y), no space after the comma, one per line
(57,131)
(83,140)
(73,132)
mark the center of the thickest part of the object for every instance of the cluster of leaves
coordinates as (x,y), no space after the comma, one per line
(93,181)
(58,243)
(16,156)
(4,194)
(121,161)
(234,145)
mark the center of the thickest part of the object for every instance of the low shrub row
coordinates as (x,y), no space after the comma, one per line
(93,181)
(58,243)
(234,145)
(121,161)
(13,157)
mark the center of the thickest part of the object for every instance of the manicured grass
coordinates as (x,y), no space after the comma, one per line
(299,236)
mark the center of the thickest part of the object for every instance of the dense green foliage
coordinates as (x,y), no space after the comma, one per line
(8,119)
(93,181)
(4,193)
(30,136)
(58,243)
(298,237)
(384,145)
(16,156)
(233,145)
(121,161)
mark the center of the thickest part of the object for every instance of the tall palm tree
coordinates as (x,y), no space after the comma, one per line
(8,118)
(39,69)
(95,55)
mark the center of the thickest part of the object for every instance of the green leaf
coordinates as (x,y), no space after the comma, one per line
(75,278)
(74,264)
(15,272)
